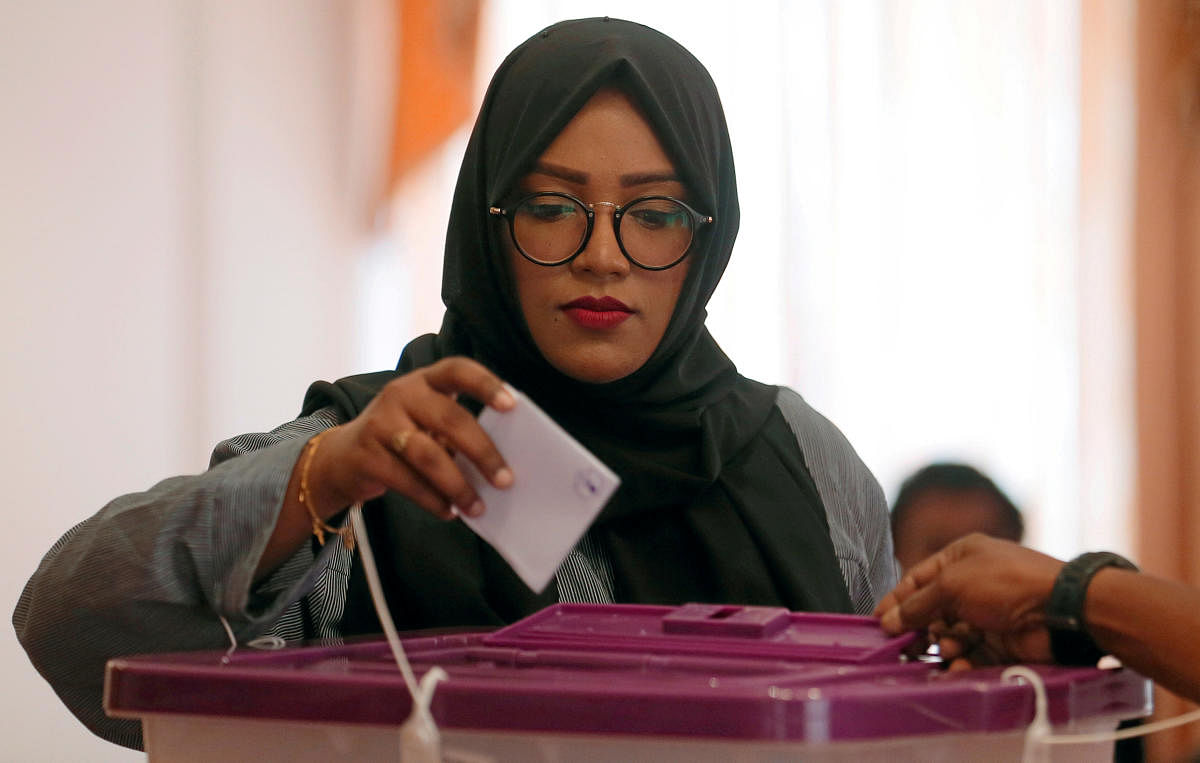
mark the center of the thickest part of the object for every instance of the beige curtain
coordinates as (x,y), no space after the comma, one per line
(435,91)
(1167,305)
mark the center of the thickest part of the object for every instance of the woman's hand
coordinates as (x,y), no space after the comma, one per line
(982,600)
(404,440)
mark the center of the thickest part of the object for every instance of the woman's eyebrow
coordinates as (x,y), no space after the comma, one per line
(581,178)
(645,178)
(562,173)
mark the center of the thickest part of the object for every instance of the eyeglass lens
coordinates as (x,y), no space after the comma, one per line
(654,232)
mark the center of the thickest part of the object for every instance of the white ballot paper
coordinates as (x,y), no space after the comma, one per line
(558,489)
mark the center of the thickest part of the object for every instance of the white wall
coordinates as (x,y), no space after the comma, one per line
(176,261)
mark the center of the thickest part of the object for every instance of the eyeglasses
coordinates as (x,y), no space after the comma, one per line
(553,228)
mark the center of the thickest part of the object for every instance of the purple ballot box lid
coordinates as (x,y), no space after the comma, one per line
(714,629)
(682,685)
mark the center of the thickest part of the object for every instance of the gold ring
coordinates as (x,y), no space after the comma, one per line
(400,441)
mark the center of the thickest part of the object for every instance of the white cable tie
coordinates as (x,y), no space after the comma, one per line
(1039,727)
(420,741)
(269,642)
(1040,732)
(1130,733)
(233,645)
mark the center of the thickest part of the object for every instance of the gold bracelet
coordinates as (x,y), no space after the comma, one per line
(320,526)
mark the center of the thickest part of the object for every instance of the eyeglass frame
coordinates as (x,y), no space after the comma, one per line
(590,208)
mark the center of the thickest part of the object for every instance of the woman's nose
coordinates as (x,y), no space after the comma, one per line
(602,254)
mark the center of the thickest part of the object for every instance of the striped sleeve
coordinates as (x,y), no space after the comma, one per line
(586,574)
(319,613)
(155,571)
(854,503)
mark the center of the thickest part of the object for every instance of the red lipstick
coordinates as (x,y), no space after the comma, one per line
(597,312)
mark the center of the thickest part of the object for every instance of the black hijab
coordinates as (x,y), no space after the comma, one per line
(716,503)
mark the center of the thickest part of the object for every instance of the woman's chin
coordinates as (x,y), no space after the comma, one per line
(596,370)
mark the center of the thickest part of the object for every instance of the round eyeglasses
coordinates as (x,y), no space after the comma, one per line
(553,228)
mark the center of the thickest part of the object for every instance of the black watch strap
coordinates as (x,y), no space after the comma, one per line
(1070,642)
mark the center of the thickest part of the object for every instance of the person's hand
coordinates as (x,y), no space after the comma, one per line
(404,440)
(982,600)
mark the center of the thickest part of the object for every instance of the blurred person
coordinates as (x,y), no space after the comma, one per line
(595,212)
(943,502)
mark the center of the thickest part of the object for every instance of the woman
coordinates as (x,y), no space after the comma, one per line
(594,214)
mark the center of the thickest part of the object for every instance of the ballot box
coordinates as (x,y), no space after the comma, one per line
(579,682)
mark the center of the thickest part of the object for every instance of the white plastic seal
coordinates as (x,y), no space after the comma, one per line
(1040,737)
(420,741)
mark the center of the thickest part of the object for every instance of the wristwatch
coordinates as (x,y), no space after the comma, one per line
(1070,643)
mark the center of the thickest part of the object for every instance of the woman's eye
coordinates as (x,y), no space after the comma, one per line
(549,213)
(656,219)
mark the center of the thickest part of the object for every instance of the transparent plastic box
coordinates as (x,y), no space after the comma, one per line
(579,682)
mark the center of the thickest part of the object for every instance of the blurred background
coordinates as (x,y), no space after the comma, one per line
(969,232)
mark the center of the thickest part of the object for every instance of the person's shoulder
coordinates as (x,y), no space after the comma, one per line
(807,422)
(854,501)
(369,378)
(349,395)
(372,381)
(824,445)
(791,402)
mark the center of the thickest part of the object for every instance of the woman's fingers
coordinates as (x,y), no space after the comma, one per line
(433,410)
(406,438)
(403,478)
(374,466)
(420,424)
(418,451)
(450,427)
(452,376)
